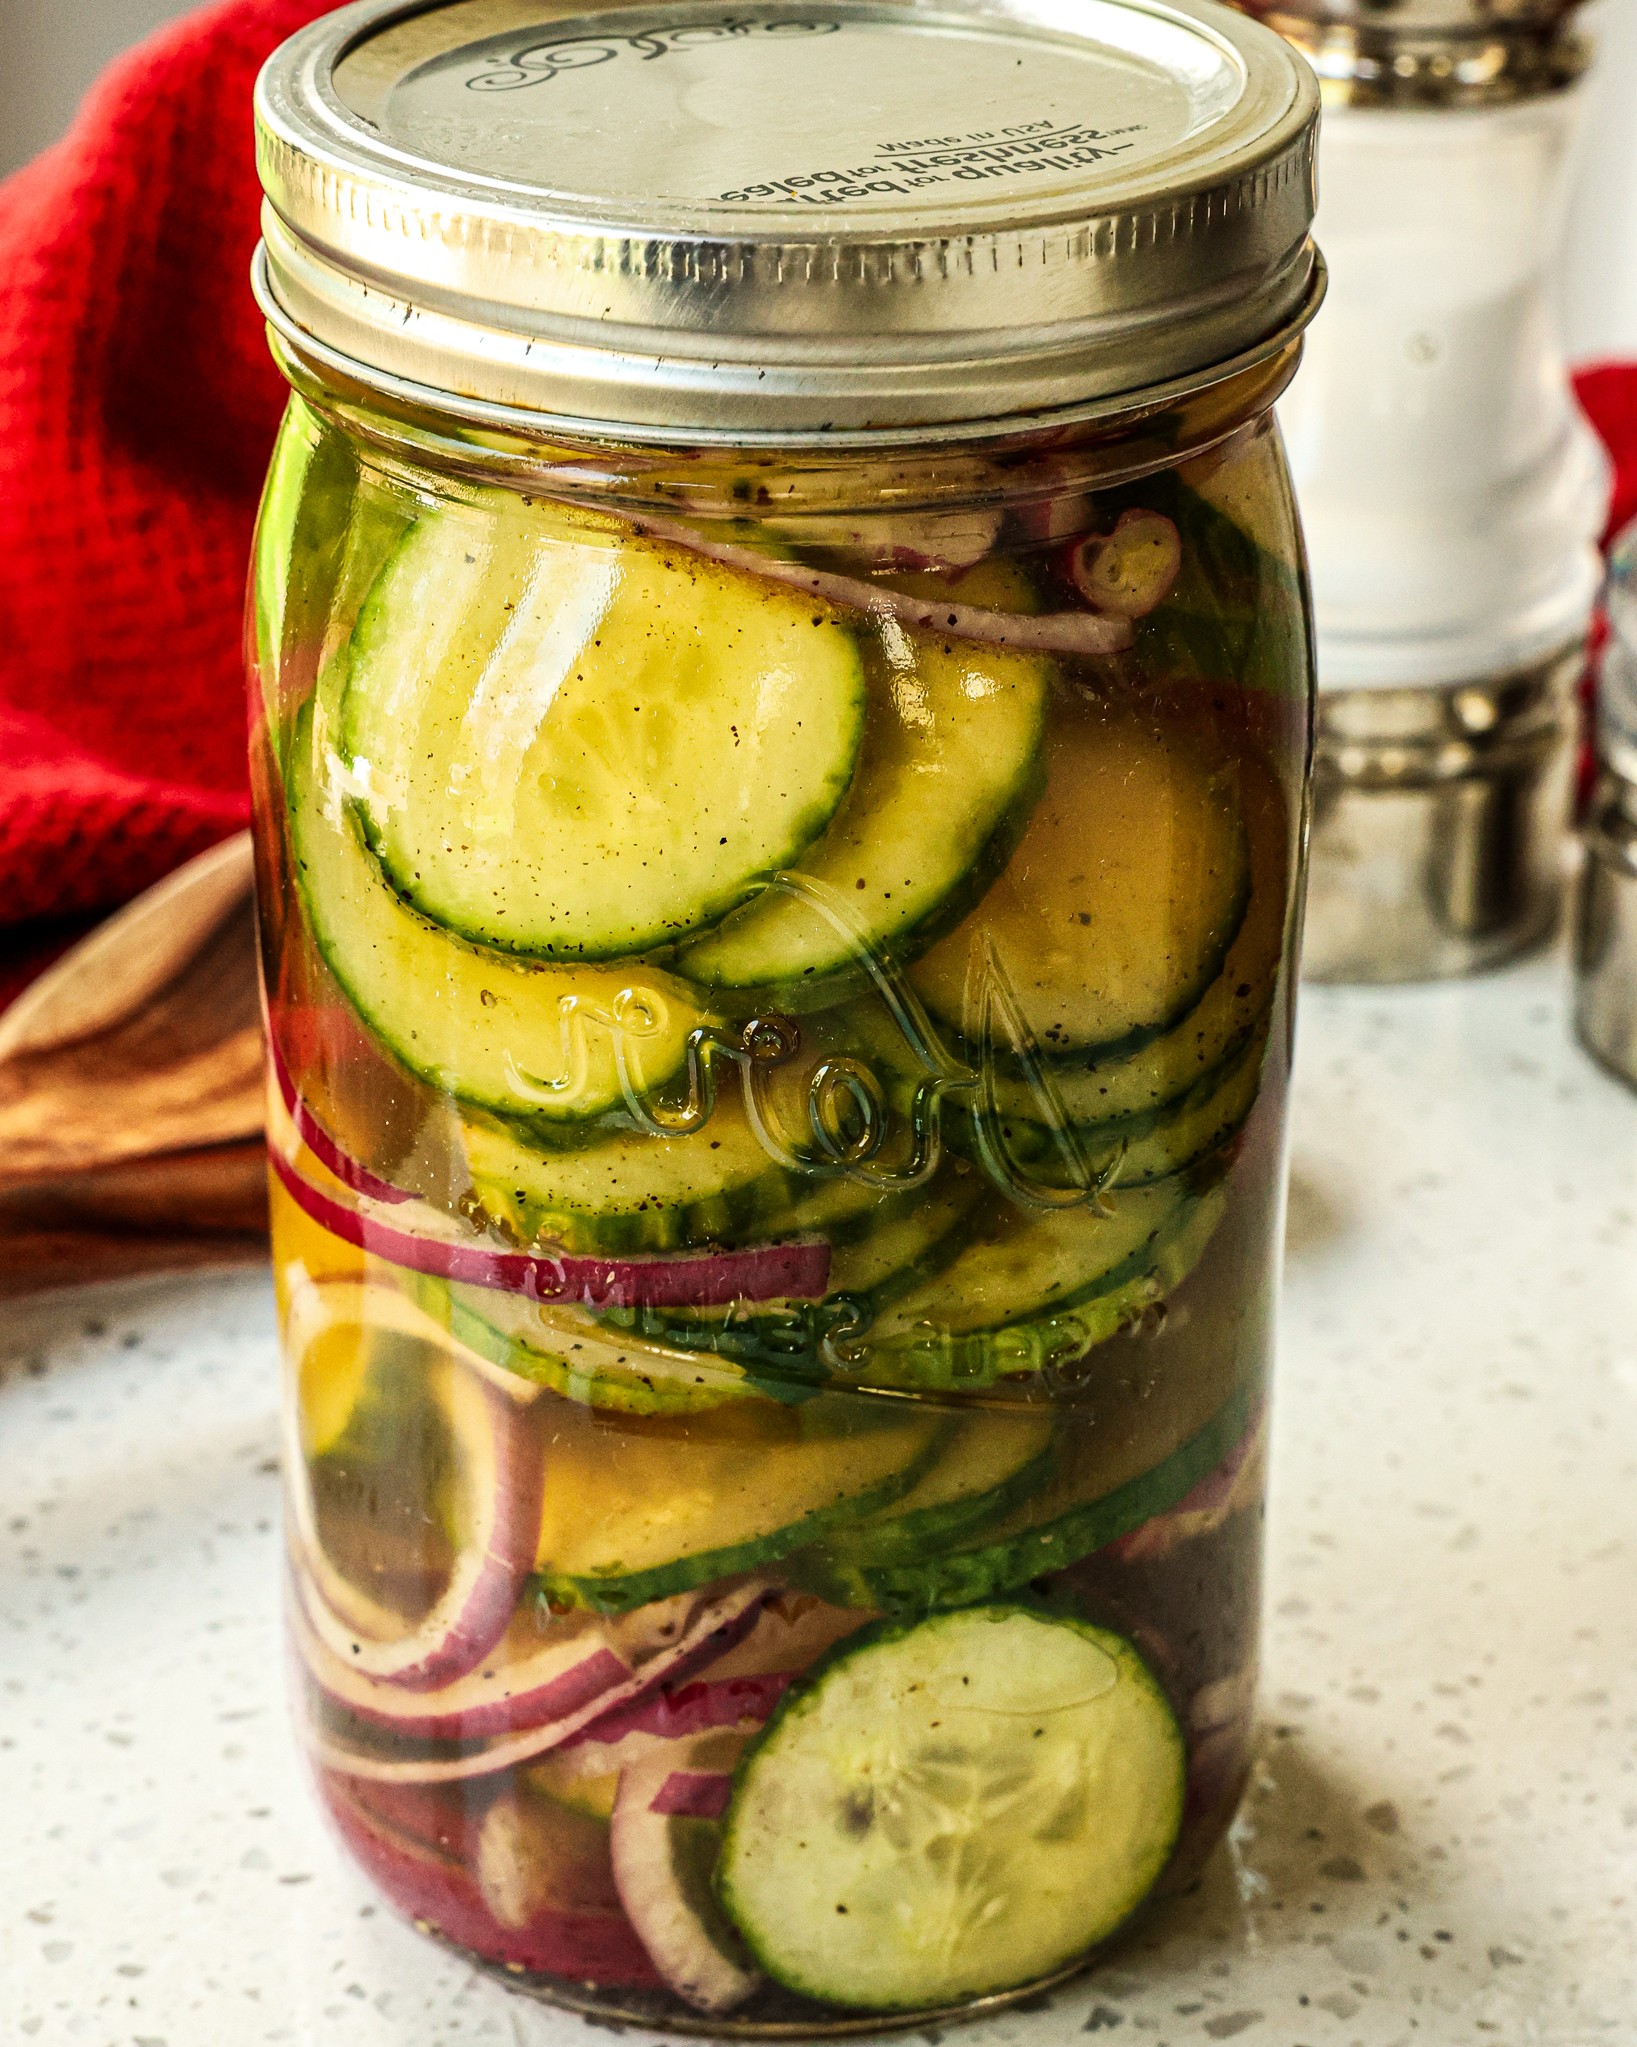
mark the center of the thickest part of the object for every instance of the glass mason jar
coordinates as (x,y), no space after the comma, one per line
(778,939)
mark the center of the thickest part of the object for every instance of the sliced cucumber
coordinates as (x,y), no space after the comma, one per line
(1115,912)
(541,1043)
(1034,1293)
(580,745)
(716,1185)
(947,775)
(325,529)
(1135,1088)
(909,1239)
(1205,1120)
(583,1360)
(953,1809)
(627,1194)
(1194,1127)
(1020,1264)
(995,1458)
(377,520)
(913,1238)
(665,1854)
(635,1512)
(1098,1491)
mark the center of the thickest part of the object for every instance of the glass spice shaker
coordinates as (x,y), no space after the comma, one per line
(1605,954)
(1451,492)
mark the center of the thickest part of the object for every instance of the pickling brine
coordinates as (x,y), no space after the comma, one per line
(780,1025)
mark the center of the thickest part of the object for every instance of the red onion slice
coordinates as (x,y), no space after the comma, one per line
(655,1643)
(1054,632)
(690,1940)
(693,1795)
(434,1884)
(319,1141)
(573,1671)
(1134,569)
(693,1708)
(764,1272)
(503,1464)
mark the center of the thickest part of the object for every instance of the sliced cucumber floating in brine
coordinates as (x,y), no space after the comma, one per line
(544,1044)
(1149,1448)
(640,1193)
(1034,1291)
(1116,911)
(635,1514)
(1148,1148)
(1126,1091)
(951,1809)
(994,1458)
(582,1359)
(946,778)
(575,744)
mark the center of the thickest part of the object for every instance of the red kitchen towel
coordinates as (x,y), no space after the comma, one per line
(1608,391)
(137,408)
(138,405)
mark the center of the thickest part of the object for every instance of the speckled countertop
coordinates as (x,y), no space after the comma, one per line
(1441,1846)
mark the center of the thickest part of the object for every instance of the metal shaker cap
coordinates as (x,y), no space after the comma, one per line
(1432,52)
(788,218)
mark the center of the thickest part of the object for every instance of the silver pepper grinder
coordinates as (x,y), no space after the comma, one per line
(1605,939)
(1451,491)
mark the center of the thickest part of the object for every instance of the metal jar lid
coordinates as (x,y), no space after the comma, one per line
(787,217)
(1432,52)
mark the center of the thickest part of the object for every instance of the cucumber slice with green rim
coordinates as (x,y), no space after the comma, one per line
(1205,1121)
(952,1809)
(576,744)
(376,523)
(1020,1264)
(1034,1294)
(911,1238)
(543,1043)
(1134,1088)
(325,529)
(1194,1127)
(635,1512)
(625,1195)
(583,1360)
(994,1459)
(947,775)
(1097,1493)
(1116,910)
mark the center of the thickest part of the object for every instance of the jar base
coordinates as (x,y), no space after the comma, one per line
(775,2014)
(785,2017)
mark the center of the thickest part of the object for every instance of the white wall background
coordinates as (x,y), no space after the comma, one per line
(1601,307)
(50,50)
